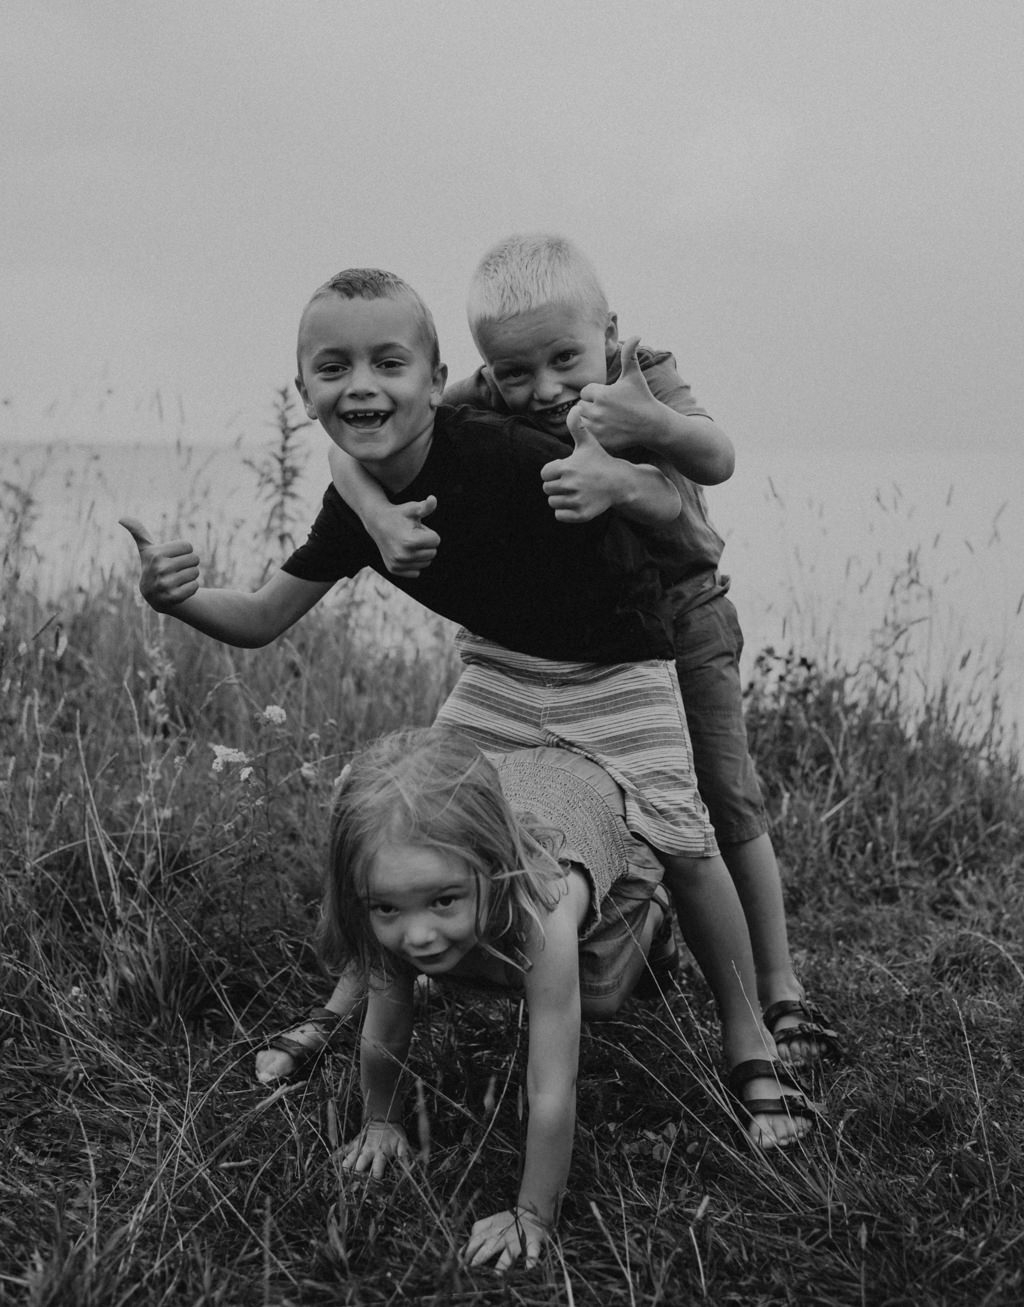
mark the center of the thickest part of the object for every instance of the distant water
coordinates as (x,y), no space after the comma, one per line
(833,555)
(825,552)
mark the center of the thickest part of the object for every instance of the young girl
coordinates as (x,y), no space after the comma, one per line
(517,875)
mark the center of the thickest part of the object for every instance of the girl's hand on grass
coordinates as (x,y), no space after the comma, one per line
(170,572)
(507,1235)
(377,1144)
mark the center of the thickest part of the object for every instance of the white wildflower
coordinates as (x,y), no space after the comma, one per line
(245,774)
(224,757)
(272,715)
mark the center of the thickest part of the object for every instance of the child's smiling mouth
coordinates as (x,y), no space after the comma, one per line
(555,415)
(366,419)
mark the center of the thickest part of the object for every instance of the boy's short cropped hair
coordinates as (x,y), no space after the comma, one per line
(525,272)
(376,284)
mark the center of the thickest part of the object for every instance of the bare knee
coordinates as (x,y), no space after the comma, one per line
(688,877)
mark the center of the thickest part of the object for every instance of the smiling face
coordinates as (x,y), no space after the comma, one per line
(366,376)
(541,360)
(423,907)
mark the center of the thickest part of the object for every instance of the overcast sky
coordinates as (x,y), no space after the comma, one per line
(817,206)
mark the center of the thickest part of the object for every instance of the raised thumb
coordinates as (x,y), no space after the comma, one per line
(628,359)
(137,531)
(424,508)
(577,427)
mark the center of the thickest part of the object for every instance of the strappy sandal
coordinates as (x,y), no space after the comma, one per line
(811,1027)
(663,959)
(795,1105)
(306,1057)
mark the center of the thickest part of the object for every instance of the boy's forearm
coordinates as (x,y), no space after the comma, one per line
(247,620)
(355,485)
(645,495)
(230,616)
(694,445)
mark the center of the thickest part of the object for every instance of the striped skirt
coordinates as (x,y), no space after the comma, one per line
(626,717)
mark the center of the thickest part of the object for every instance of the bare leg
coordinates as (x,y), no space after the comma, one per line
(273,1065)
(715,931)
(755,873)
(709,645)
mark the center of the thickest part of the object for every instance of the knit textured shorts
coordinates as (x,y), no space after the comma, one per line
(567,793)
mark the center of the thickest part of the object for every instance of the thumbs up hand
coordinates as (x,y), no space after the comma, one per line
(170,572)
(406,545)
(585,484)
(619,415)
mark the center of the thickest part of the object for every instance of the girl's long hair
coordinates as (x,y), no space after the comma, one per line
(433,789)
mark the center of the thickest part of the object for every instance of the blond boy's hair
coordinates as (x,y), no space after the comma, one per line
(525,272)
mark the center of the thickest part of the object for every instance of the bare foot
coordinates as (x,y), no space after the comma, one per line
(296,1047)
(769,1104)
(272,1065)
(802,1037)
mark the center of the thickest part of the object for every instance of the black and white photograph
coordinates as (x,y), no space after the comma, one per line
(511,653)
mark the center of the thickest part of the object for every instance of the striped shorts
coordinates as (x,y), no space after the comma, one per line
(626,717)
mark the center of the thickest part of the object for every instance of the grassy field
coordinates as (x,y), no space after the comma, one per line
(160,843)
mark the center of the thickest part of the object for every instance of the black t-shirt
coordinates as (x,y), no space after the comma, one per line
(505,568)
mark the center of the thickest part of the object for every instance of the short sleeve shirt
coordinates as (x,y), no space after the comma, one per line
(506,568)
